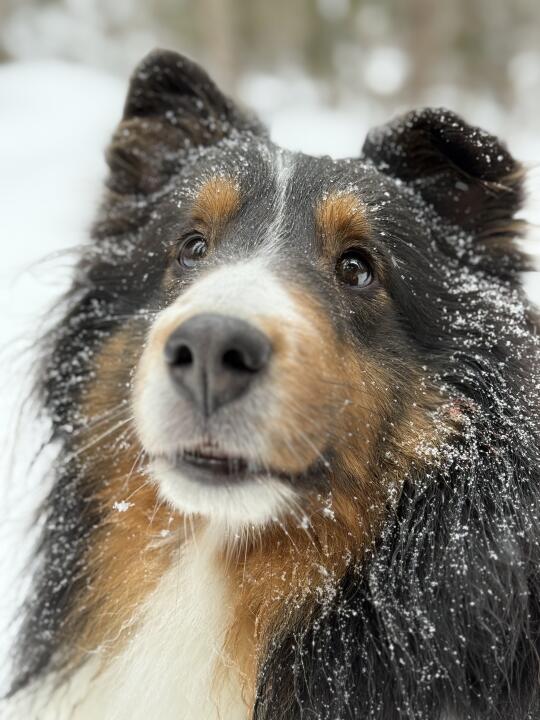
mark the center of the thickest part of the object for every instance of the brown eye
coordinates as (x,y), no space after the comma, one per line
(193,248)
(353,269)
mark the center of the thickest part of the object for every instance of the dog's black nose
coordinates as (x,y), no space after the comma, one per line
(213,359)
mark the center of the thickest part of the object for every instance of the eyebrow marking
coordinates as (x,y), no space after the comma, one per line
(341,216)
(217,201)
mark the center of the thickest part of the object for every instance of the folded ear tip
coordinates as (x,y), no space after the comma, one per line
(159,72)
(160,58)
(489,153)
(479,151)
(426,118)
(465,173)
(171,104)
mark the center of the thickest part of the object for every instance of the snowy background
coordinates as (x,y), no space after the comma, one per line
(63,71)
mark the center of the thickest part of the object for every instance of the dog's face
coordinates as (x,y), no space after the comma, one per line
(271,363)
(296,311)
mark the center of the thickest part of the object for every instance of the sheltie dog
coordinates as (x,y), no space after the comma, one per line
(296,405)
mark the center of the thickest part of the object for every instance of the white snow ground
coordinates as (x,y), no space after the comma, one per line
(55,120)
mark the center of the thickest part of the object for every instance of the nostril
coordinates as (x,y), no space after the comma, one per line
(184,356)
(236,360)
(178,355)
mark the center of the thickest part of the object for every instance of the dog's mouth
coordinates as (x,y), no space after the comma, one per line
(214,461)
(212,466)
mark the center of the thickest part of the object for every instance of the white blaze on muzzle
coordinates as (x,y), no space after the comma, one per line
(248,290)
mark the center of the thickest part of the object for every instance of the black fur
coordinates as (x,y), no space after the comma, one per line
(442,619)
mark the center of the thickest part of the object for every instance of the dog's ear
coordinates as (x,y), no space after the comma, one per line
(172,105)
(466,174)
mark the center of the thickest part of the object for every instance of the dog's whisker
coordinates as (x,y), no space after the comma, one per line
(117,426)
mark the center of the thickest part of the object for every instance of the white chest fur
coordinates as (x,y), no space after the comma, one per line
(168,669)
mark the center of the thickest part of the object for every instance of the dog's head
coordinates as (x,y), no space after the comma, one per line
(287,324)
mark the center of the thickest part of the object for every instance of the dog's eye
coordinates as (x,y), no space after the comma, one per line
(353,269)
(193,248)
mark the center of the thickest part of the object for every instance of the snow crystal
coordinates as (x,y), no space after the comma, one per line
(122,506)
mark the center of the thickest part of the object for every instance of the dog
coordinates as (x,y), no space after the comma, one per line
(295,401)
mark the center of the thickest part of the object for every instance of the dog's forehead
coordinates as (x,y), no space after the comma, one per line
(266,175)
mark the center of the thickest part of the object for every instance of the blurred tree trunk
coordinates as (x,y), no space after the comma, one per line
(6,7)
(431,32)
(277,34)
(215,21)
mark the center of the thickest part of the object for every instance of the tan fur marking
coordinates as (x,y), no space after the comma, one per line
(341,217)
(131,548)
(217,201)
(320,384)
